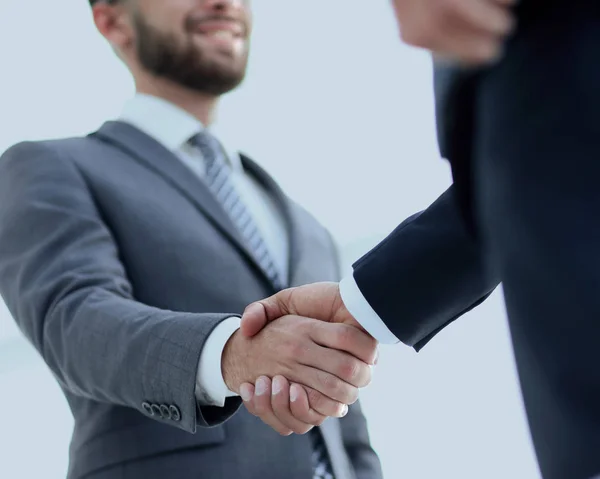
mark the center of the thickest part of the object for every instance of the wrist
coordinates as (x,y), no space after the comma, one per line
(342,315)
(232,362)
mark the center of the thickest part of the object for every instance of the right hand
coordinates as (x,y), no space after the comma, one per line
(321,301)
(331,360)
(468,31)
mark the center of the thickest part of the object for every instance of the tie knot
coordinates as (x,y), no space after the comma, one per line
(209,146)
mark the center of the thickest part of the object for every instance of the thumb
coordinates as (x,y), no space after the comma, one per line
(253,319)
(258,314)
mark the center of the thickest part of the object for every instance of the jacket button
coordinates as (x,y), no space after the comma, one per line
(165,411)
(147,408)
(156,410)
(175,413)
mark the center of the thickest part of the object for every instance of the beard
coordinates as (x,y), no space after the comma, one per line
(184,63)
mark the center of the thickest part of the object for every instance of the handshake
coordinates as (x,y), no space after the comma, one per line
(309,354)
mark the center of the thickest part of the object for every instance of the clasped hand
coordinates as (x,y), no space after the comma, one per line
(468,31)
(309,354)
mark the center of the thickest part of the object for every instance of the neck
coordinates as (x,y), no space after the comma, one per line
(197,104)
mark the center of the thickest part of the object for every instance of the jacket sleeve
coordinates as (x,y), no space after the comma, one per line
(357,443)
(426,273)
(64,284)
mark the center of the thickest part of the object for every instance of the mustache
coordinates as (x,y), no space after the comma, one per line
(193,23)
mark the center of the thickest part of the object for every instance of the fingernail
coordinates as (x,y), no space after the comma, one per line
(376,358)
(245,392)
(277,386)
(294,393)
(262,385)
(344,410)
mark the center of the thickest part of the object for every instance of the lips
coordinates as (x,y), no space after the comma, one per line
(220,34)
(225,29)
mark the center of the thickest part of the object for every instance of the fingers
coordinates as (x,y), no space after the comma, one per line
(306,404)
(473,33)
(258,314)
(315,353)
(345,338)
(324,405)
(323,381)
(282,406)
(468,30)
(280,402)
(300,407)
(488,16)
(334,373)
(247,395)
(263,409)
(469,47)
(334,388)
(347,373)
(316,300)
(332,358)
(254,319)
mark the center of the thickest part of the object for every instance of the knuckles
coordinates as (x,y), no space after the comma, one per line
(351,371)
(326,407)
(339,390)
(344,337)
(319,402)
(357,343)
(315,399)
(373,346)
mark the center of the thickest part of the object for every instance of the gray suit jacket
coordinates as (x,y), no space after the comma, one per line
(113,258)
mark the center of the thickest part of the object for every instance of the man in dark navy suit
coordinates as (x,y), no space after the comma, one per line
(523,138)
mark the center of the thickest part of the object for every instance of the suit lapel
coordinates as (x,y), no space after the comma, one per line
(313,256)
(284,205)
(157,158)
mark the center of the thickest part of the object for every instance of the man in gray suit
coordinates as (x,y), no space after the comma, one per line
(127,256)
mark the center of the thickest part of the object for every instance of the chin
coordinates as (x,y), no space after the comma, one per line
(217,83)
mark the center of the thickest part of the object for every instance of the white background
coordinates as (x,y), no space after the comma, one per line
(342,115)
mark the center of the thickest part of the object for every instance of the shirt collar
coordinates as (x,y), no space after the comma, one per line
(167,123)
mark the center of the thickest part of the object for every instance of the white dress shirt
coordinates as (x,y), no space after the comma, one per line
(359,307)
(173,127)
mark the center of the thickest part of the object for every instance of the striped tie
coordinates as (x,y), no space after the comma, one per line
(218,179)
(320,462)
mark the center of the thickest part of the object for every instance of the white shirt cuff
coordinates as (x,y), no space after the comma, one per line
(211,389)
(362,311)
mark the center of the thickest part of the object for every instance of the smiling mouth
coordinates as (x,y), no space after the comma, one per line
(220,34)
(224,29)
